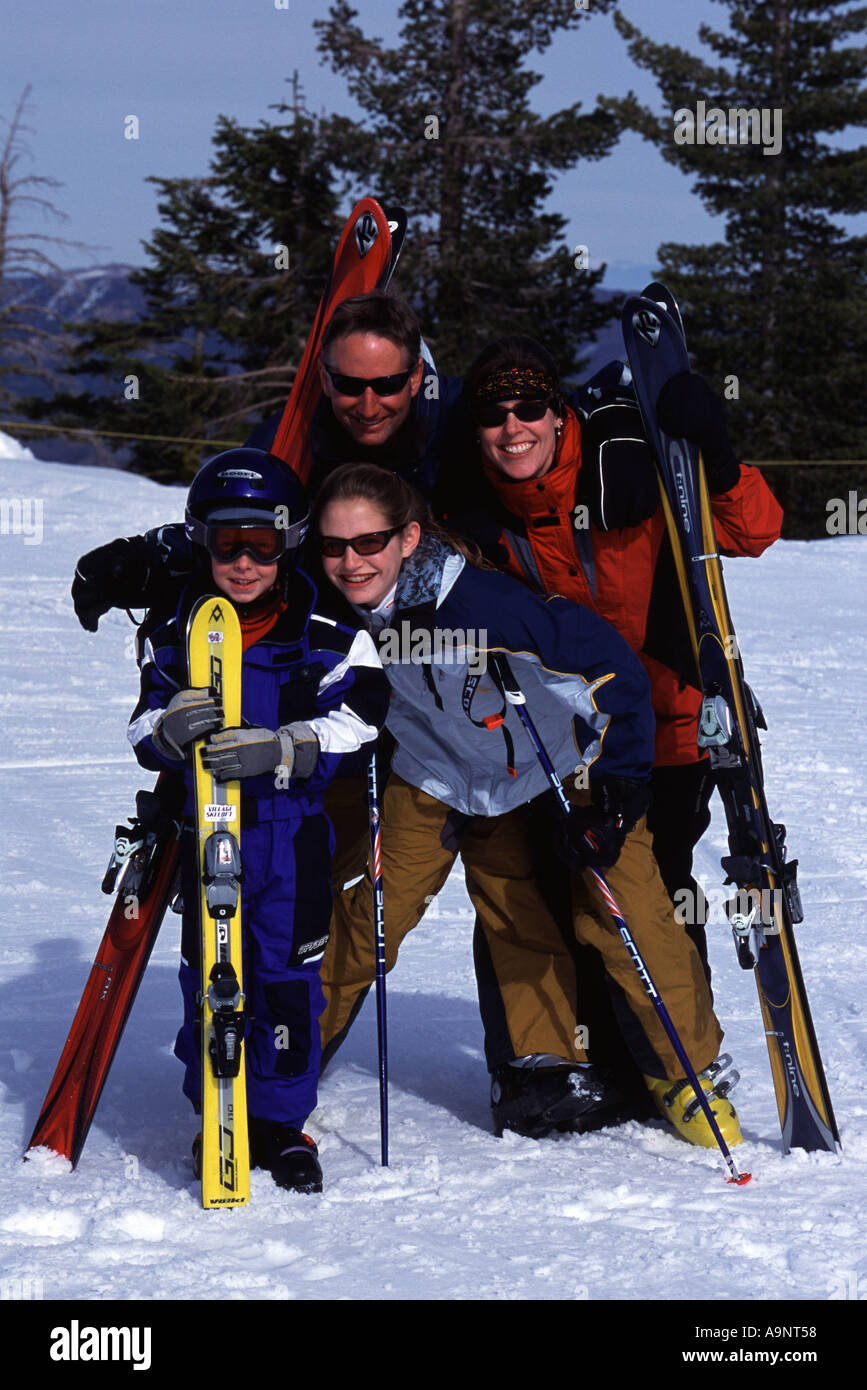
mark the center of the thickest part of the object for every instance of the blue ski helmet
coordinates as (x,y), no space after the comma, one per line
(247,490)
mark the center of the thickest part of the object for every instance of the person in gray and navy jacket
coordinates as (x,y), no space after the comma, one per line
(465,780)
(313,690)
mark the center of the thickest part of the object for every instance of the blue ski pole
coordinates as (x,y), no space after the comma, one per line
(379,941)
(512,692)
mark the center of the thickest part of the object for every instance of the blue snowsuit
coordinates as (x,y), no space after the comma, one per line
(308,667)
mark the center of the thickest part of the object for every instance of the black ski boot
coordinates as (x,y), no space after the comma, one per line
(290,1156)
(535,1096)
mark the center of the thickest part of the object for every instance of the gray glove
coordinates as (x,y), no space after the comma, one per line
(189,715)
(232,754)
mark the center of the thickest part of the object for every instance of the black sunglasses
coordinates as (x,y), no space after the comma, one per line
(380,385)
(491,415)
(369,544)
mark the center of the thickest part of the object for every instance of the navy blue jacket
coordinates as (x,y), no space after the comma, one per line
(310,666)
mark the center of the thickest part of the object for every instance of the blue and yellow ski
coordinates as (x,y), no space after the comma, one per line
(767,903)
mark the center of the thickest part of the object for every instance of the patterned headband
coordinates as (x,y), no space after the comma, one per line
(516,384)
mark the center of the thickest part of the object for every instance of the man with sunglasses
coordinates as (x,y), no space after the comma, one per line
(382,403)
(371,408)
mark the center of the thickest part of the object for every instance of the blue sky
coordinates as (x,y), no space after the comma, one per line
(178,64)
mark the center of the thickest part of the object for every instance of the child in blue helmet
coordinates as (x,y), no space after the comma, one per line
(312,690)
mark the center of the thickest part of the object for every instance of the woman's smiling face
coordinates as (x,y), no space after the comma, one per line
(520,449)
(364,579)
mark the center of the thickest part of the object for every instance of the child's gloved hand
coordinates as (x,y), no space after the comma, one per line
(189,715)
(232,754)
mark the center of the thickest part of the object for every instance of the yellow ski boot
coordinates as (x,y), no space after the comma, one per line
(676,1101)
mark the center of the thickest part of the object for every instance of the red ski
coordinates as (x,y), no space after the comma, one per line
(144,867)
(143,871)
(364,260)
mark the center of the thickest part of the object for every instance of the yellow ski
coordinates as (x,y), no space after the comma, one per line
(214,658)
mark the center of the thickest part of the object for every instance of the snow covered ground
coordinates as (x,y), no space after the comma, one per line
(632,1213)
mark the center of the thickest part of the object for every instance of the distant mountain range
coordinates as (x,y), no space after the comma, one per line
(98,292)
(105,293)
(101,293)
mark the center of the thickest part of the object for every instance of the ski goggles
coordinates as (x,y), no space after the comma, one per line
(379,385)
(489,416)
(369,544)
(266,544)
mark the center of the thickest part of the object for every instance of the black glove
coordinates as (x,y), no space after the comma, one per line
(688,408)
(591,837)
(112,576)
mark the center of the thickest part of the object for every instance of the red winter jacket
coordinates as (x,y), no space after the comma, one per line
(613,572)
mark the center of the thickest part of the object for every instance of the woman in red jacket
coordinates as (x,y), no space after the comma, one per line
(567,500)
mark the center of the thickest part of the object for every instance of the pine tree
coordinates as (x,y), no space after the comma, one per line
(777,311)
(448,132)
(233,279)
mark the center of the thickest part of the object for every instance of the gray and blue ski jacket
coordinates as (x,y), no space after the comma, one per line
(457,738)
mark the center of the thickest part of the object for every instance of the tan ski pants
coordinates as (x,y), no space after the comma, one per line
(421,837)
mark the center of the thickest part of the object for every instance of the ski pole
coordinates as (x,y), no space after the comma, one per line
(514,695)
(379,942)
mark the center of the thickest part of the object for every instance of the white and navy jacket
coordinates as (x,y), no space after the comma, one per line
(309,666)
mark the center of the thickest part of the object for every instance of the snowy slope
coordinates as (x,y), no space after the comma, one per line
(633,1213)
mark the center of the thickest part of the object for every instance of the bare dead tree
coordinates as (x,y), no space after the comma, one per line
(28,269)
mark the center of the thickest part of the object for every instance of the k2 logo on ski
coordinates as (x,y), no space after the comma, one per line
(647,326)
(366,232)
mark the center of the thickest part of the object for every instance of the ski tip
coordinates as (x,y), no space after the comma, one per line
(47,1159)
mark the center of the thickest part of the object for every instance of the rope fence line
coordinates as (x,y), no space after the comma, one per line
(30,426)
(806,463)
(26,426)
